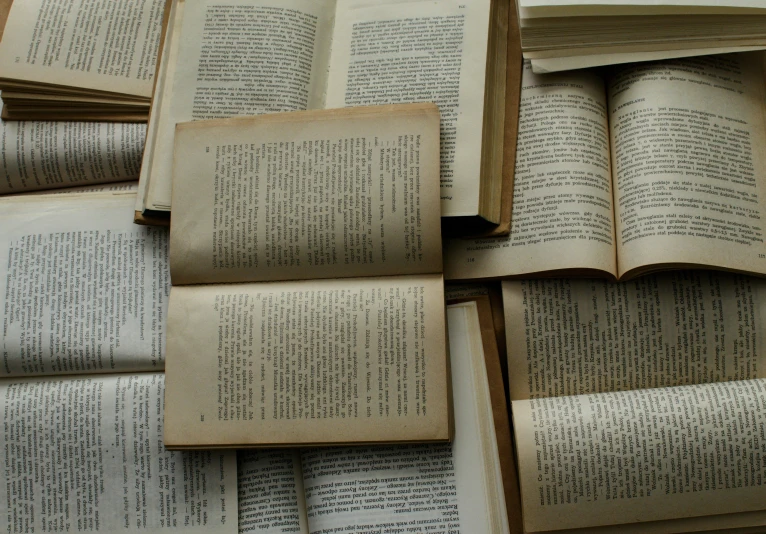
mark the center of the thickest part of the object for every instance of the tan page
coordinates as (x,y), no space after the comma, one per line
(391,51)
(689,140)
(320,194)
(567,337)
(562,201)
(647,455)
(112,47)
(275,61)
(307,362)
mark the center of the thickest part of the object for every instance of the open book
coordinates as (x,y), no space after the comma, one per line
(328,222)
(36,155)
(602,31)
(79,61)
(639,402)
(348,53)
(657,166)
(84,295)
(461,487)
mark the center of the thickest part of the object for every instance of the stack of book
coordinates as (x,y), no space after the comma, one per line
(568,34)
(77,60)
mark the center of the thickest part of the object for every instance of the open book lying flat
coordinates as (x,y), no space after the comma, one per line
(331,54)
(647,167)
(321,320)
(640,402)
(77,61)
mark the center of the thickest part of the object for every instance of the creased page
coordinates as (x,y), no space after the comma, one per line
(270,490)
(240,57)
(307,362)
(420,51)
(83,288)
(37,155)
(85,454)
(91,44)
(429,488)
(324,194)
(562,197)
(637,456)
(689,140)
(568,337)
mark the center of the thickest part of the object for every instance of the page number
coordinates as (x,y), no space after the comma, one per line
(18,59)
(761,256)
(207,149)
(471,260)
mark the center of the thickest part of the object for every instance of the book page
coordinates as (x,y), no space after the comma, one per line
(420,51)
(319,361)
(270,490)
(689,140)
(83,289)
(85,454)
(567,337)
(103,45)
(562,197)
(646,455)
(439,488)
(39,155)
(324,194)
(240,57)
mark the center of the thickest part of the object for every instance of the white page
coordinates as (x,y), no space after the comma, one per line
(227,64)
(85,454)
(371,63)
(104,45)
(83,288)
(38,155)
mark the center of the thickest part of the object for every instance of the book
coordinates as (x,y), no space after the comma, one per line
(458,487)
(84,293)
(98,413)
(639,402)
(456,54)
(45,155)
(642,170)
(552,31)
(321,319)
(81,62)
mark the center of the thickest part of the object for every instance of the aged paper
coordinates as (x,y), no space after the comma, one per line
(307,195)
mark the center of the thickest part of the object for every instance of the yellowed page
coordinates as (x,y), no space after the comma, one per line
(689,140)
(647,455)
(322,194)
(88,453)
(82,289)
(562,199)
(310,362)
(392,51)
(270,490)
(569,337)
(104,46)
(38,155)
(446,488)
(240,57)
